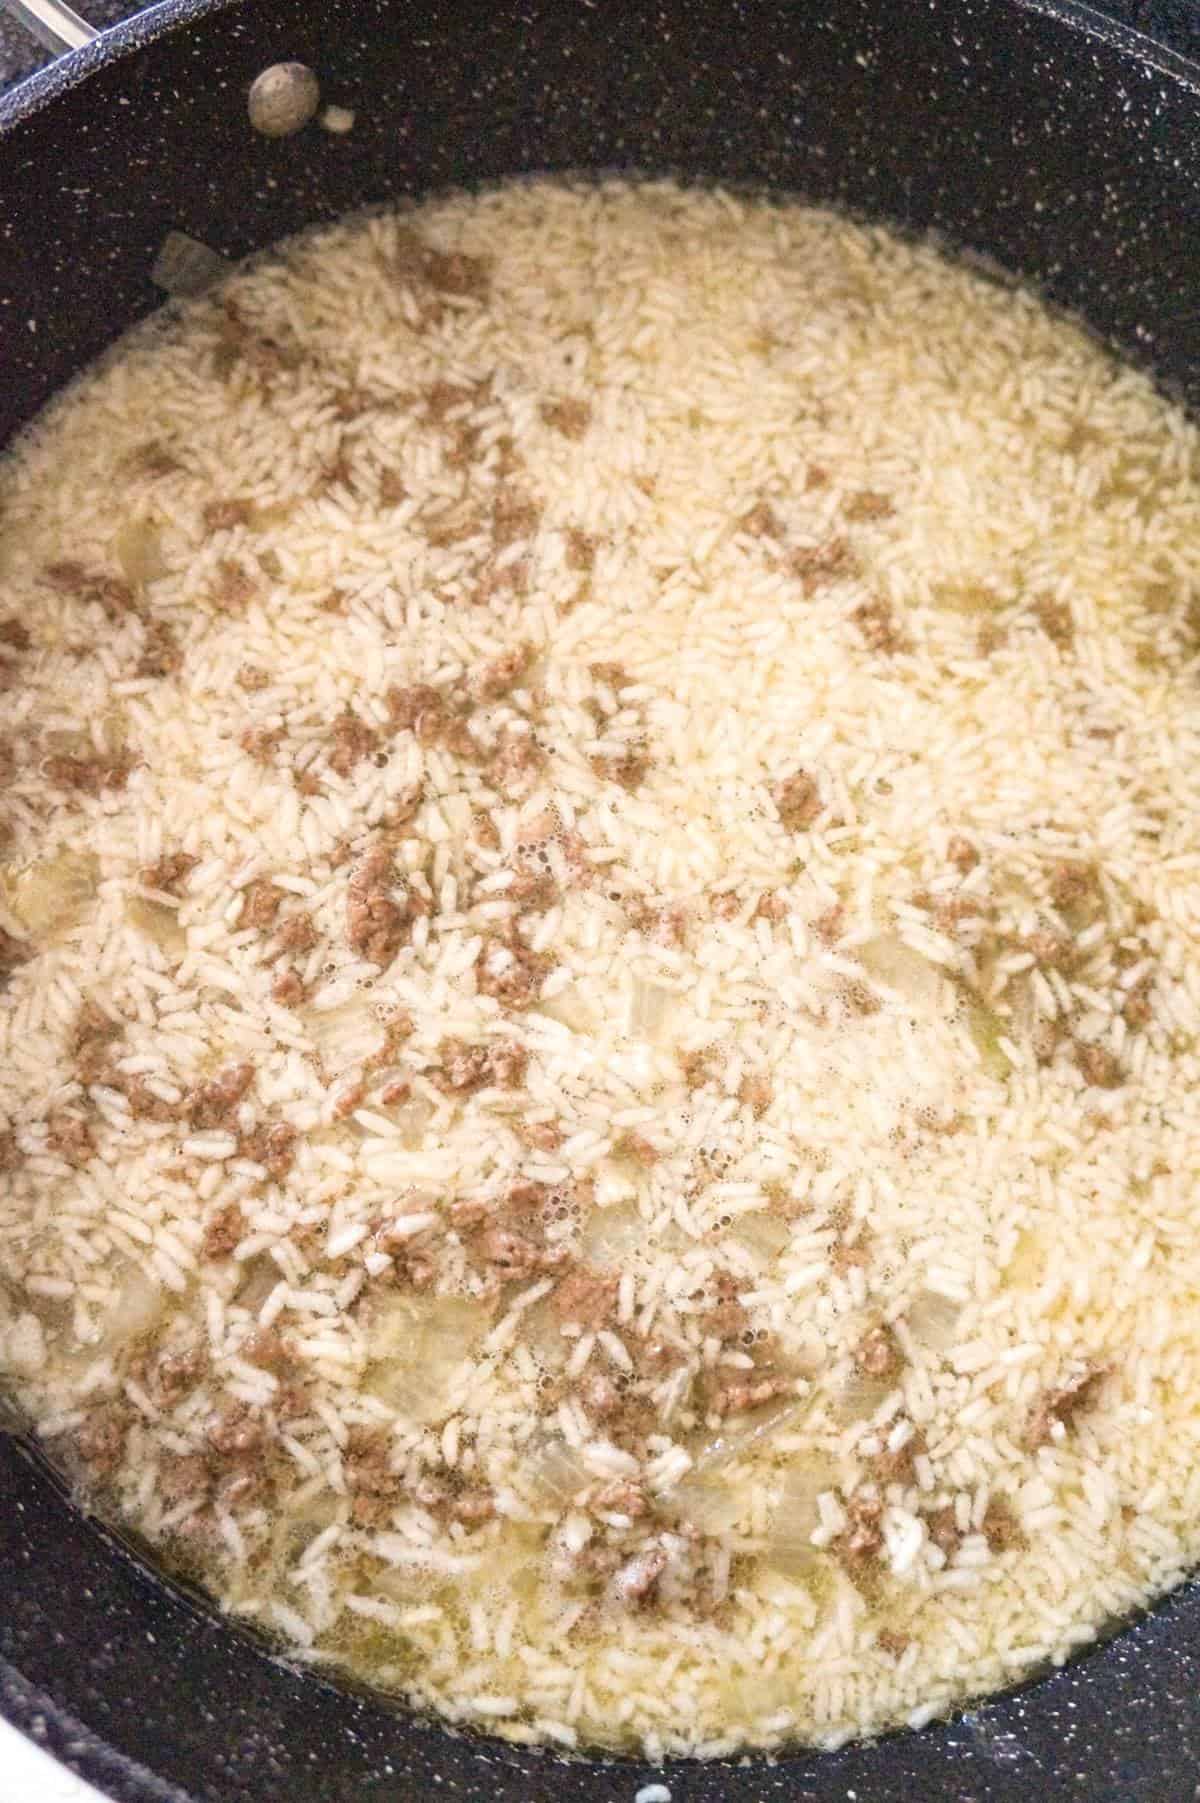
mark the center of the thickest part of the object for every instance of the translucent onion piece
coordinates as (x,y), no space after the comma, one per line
(933,1319)
(789,1546)
(259,1277)
(299,1524)
(348,1032)
(764,1233)
(139,1304)
(51,896)
(25,1346)
(650,1009)
(1028,1260)
(986,1029)
(158,922)
(138,550)
(862,1395)
(411,1120)
(712,1507)
(721,1448)
(557,1473)
(541,1332)
(902,969)
(570,1010)
(416,1347)
(610,1234)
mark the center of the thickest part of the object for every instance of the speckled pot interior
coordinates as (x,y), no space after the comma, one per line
(1051,142)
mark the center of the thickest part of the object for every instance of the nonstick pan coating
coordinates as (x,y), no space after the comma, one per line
(1053,143)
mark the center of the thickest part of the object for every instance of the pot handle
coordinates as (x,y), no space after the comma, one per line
(52,24)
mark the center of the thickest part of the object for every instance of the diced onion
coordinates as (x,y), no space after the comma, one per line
(712,1507)
(764,1233)
(987,1029)
(650,1009)
(416,1347)
(569,1009)
(51,896)
(610,1234)
(862,1395)
(138,550)
(138,1306)
(157,921)
(902,969)
(933,1319)
(732,1441)
(557,1472)
(789,1544)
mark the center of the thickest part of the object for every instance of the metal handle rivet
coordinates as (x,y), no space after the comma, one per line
(283,99)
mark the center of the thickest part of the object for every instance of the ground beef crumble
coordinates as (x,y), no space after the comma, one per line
(464,1068)
(962,854)
(100,1440)
(1072,885)
(866,505)
(13,951)
(112,593)
(1054,618)
(586,1296)
(271,1145)
(510,973)
(1001,1528)
(88,775)
(942,1527)
(1060,1405)
(353,740)
(184,1478)
(225,1231)
(755,1092)
(169,873)
(420,709)
(69,1138)
(160,654)
(503,673)
(173,1372)
(239,1433)
(92,1039)
(762,521)
(859,1544)
(876,620)
(1099,1067)
(516,761)
(288,989)
(798,800)
(260,904)
(629,768)
(449,1498)
(819,565)
(224,513)
(376,923)
(739,1392)
(581,550)
(15,634)
(296,934)
(878,1353)
(568,416)
(261,742)
(214,1104)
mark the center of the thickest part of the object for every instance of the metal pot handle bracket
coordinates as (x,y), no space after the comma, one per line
(281,100)
(52,23)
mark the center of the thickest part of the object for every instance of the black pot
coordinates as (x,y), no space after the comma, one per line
(1029,132)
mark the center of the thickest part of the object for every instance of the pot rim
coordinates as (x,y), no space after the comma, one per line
(84,1750)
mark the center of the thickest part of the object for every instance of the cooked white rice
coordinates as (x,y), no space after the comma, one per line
(805,919)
